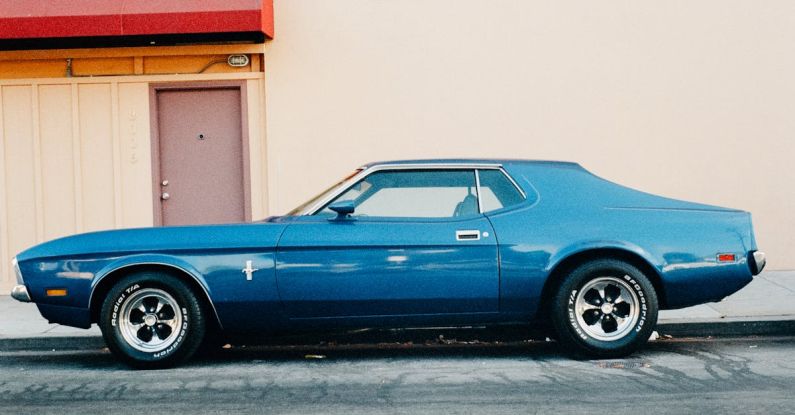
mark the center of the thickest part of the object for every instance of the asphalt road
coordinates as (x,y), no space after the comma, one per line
(746,375)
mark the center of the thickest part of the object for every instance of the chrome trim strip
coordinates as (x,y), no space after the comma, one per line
(206,293)
(366,171)
(20,293)
(516,185)
(477,190)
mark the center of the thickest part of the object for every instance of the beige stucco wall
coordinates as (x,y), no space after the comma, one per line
(693,100)
(75,156)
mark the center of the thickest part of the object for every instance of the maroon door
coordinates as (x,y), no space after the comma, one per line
(201,165)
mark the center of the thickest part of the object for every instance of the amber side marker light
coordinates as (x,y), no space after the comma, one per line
(56,292)
(725,257)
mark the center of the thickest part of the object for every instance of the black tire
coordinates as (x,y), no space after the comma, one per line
(173,320)
(589,317)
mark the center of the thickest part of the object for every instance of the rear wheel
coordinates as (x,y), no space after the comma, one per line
(604,309)
(152,320)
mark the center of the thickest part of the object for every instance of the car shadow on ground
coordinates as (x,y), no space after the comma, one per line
(351,346)
(103,360)
(381,351)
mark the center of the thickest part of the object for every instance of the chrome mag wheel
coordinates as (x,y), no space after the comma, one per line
(607,308)
(150,320)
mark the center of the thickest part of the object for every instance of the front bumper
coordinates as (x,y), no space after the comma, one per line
(20,293)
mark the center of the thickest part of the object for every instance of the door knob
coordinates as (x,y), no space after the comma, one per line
(165,196)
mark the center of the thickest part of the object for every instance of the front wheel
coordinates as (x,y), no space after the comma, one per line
(152,320)
(604,309)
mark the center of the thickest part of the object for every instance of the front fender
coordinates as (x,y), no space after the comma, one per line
(148,259)
(161,260)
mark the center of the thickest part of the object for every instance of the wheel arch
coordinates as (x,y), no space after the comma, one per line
(103,285)
(571,261)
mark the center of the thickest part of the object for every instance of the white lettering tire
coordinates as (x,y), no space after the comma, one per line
(604,309)
(152,320)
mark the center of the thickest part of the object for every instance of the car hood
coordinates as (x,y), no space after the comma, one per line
(260,235)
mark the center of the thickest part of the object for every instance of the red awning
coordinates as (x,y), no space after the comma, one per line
(57,19)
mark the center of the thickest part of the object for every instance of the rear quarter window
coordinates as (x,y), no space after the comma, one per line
(497,191)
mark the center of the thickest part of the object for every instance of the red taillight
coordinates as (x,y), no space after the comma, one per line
(725,257)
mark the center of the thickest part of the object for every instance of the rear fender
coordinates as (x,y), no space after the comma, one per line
(584,246)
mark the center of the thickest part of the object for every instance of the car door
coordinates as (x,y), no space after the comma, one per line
(416,244)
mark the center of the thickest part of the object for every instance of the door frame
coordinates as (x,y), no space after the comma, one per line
(154,88)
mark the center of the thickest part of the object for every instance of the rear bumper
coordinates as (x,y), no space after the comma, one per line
(711,282)
(20,293)
(756,261)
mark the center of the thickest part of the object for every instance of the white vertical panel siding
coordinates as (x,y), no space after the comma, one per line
(262,160)
(19,169)
(96,155)
(135,155)
(57,160)
(37,179)
(75,156)
(76,159)
(114,121)
(256,148)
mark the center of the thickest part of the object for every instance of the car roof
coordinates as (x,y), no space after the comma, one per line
(474,161)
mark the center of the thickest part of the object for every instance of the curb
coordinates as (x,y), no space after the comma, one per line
(781,326)
(52,343)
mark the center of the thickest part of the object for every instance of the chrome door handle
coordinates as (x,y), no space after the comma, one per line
(467,235)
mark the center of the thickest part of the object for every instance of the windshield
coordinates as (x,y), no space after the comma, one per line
(311,202)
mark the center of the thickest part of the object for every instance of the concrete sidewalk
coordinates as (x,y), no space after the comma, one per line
(766,305)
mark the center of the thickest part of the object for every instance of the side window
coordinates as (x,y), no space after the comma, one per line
(497,191)
(413,194)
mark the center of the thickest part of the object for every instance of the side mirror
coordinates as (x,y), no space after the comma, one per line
(343,208)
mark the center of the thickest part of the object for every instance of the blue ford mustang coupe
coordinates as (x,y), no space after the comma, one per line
(405,243)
